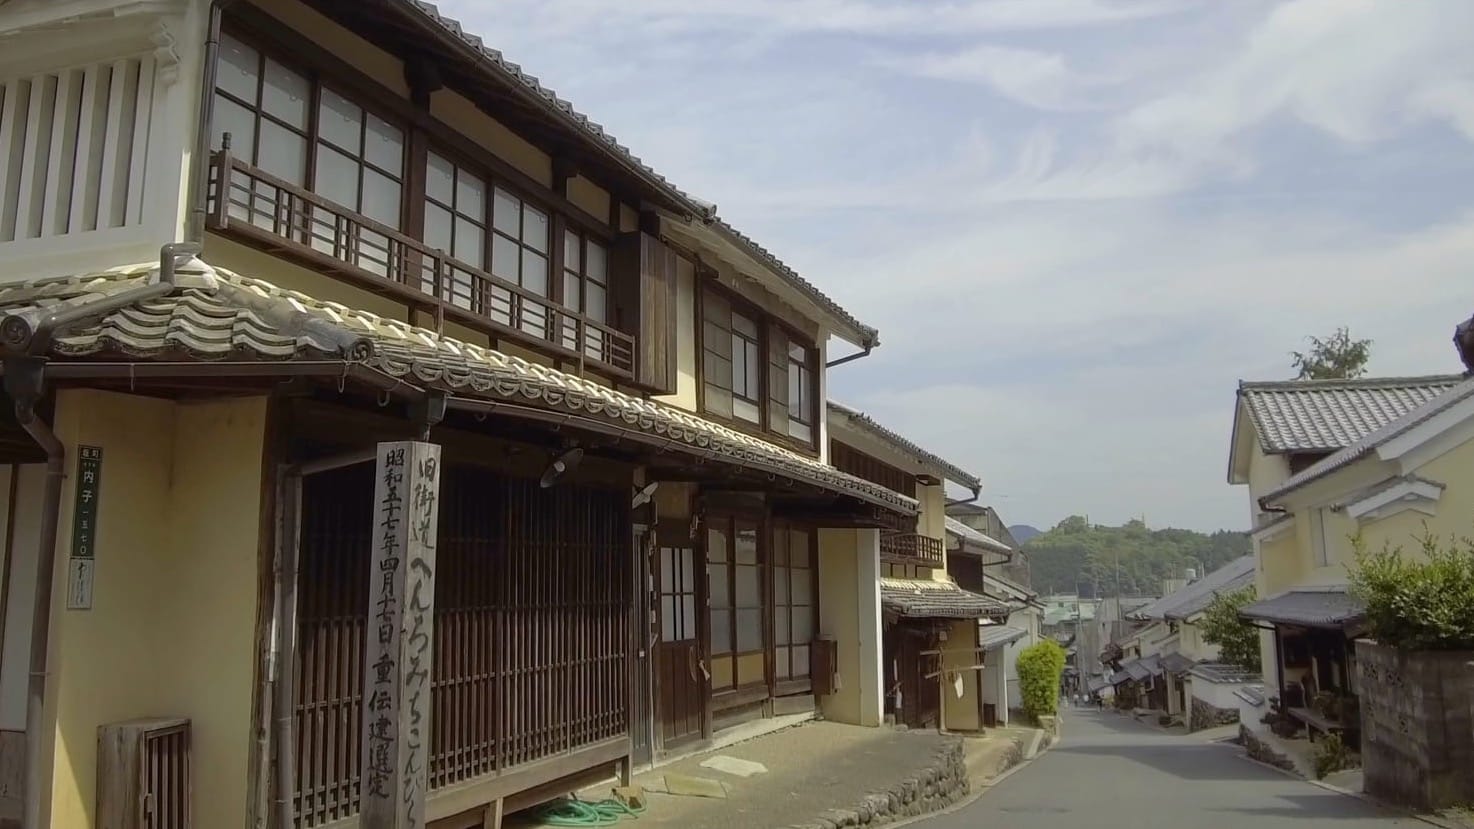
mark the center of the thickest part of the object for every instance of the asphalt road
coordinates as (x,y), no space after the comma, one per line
(1110,771)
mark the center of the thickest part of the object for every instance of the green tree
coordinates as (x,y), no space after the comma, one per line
(1237,640)
(1337,357)
(1425,604)
(1094,558)
(1039,669)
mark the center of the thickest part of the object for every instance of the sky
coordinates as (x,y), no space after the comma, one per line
(1076,223)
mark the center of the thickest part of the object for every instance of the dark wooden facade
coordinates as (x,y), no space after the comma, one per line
(533,645)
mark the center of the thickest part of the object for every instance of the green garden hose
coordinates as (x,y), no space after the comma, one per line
(575,812)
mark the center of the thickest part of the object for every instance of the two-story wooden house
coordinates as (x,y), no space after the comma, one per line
(243,242)
(931,655)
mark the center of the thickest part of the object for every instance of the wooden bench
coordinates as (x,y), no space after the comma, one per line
(1315,722)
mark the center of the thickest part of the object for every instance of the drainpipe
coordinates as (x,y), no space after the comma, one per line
(199,185)
(31,335)
(32,332)
(23,377)
(851,357)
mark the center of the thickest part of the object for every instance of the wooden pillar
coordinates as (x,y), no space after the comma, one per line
(397,658)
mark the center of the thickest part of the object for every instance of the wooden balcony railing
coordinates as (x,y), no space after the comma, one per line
(260,207)
(911,548)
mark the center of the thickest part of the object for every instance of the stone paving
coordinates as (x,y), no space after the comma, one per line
(821,775)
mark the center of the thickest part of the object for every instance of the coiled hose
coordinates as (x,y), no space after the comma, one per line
(575,812)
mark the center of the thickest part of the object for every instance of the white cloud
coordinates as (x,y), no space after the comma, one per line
(1348,67)
(864,17)
(1038,79)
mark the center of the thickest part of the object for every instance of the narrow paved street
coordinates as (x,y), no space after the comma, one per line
(1111,771)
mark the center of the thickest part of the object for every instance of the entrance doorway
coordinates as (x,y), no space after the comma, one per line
(680,670)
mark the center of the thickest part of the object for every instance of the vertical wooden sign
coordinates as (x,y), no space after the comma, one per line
(82,563)
(401,615)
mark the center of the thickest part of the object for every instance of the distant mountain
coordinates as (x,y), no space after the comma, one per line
(1099,561)
(1023,532)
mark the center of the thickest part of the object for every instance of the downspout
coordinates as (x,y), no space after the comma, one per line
(851,357)
(31,334)
(199,184)
(23,378)
(283,660)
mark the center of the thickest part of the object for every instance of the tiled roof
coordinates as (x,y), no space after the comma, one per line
(1327,415)
(1377,438)
(1195,597)
(996,636)
(975,537)
(927,599)
(1223,673)
(1118,677)
(952,472)
(1317,607)
(216,315)
(512,74)
(1176,663)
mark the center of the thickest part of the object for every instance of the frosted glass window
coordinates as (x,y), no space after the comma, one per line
(285,94)
(239,72)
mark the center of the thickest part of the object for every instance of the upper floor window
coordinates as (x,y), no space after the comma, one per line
(754,371)
(267,110)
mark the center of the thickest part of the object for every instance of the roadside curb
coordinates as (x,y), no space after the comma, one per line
(1431,820)
(988,785)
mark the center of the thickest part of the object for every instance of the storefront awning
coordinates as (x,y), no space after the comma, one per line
(1331,608)
(996,636)
(215,317)
(1176,663)
(927,599)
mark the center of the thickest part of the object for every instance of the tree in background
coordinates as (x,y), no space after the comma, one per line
(1337,357)
(1039,669)
(1095,559)
(1237,640)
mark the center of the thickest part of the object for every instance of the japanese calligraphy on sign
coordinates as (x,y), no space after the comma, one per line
(84,528)
(396,718)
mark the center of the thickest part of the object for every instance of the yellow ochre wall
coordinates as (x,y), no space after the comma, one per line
(1454,514)
(838,617)
(172,627)
(958,656)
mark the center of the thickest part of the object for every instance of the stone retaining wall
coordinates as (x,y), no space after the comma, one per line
(938,785)
(1263,751)
(1205,715)
(1417,718)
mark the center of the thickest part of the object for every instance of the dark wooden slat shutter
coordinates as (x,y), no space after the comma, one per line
(657,363)
(644,295)
(777,380)
(716,343)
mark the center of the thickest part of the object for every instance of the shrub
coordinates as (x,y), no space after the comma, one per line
(1332,755)
(1039,670)
(1418,604)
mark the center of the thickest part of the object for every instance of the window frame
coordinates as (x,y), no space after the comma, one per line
(423,133)
(787,604)
(766,323)
(729,523)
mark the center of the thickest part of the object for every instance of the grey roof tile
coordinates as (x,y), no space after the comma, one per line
(1224,673)
(1370,442)
(927,599)
(1195,597)
(1330,607)
(1176,663)
(495,63)
(995,636)
(217,315)
(953,472)
(1327,415)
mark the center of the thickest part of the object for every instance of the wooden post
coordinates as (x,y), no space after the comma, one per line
(401,613)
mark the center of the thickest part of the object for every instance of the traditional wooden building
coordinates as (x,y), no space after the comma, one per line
(375,228)
(931,655)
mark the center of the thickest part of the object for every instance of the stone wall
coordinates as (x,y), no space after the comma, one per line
(1417,717)
(1210,716)
(1262,751)
(938,785)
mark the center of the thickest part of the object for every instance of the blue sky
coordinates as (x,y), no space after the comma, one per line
(1077,223)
